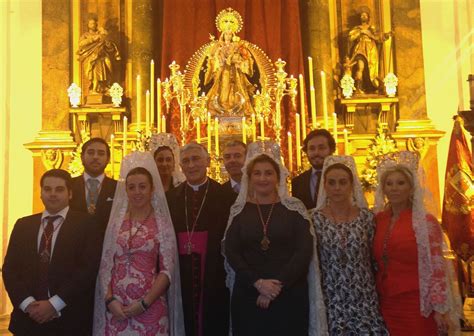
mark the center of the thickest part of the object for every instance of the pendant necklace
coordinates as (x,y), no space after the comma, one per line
(91,208)
(45,255)
(188,246)
(138,228)
(386,238)
(265,242)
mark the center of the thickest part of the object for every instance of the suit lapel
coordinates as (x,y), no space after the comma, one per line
(104,192)
(35,231)
(61,239)
(81,193)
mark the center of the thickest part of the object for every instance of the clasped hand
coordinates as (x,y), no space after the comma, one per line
(121,312)
(269,290)
(41,311)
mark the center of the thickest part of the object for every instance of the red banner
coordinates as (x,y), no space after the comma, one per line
(458,203)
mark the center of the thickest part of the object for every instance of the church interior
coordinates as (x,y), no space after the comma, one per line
(380,75)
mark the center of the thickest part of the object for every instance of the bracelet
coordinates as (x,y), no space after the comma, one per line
(144,305)
(108,301)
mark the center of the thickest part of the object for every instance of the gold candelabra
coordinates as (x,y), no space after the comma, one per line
(284,87)
(173,88)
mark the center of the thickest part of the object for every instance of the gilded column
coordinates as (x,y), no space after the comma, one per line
(54,143)
(141,49)
(320,50)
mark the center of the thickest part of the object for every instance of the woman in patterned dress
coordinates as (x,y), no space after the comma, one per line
(414,281)
(138,274)
(345,229)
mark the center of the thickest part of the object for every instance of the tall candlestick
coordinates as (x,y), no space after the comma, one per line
(244,130)
(124,136)
(216,135)
(163,124)
(313,106)
(334,128)
(298,143)
(139,102)
(198,130)
(324,98)
(158,102)
(310,70)
(262,129)
(152,93)
(112,155)
(147,113)
(302,107)
(254,128)
(290,152)
(346,143)
(209,132)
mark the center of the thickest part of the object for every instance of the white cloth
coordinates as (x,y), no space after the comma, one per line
(317,312)
(167,139)
(357,192)
(165,235)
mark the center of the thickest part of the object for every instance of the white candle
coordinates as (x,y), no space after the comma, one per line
(163,124)
(262,129)
(147,113)
(198,130)
(209,132)
(152,93)
(324,98)
(125,128)
(310,70)
(139,102)
(112,155)
(290,152)
(254,128)
(298,143)
(313,106)
(302,107)
(244,130)
(158,102)
(216,134)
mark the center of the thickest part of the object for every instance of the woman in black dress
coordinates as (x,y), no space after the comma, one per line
(269,254)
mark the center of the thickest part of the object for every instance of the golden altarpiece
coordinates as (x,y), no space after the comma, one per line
(363,81)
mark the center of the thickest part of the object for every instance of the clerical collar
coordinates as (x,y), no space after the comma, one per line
(99,178)
(196,187)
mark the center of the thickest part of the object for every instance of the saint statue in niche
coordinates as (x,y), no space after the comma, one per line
(364,53)
(97,54)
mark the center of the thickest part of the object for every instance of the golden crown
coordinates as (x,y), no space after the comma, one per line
(229,19)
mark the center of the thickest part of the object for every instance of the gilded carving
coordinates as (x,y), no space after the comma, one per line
(51,158)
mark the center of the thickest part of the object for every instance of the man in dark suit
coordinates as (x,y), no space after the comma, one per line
(51,265)
(93,192)
(234,158)
(317,145)
(199,209)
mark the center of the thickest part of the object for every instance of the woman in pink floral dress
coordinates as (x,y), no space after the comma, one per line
(138,288)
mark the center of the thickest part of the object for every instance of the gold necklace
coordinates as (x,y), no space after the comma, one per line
(265,242)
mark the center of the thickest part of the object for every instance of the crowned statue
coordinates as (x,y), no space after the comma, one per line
(229,71)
